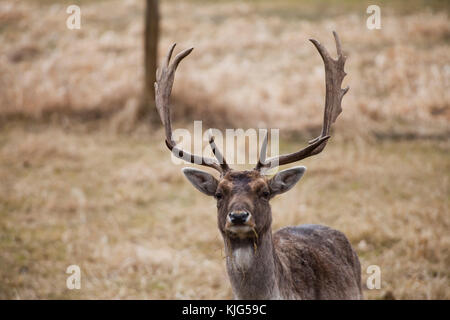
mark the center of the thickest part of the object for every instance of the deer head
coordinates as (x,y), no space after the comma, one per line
(243,196)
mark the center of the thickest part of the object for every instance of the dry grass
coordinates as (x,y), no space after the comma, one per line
(114,204)
(116,207)
(252,60)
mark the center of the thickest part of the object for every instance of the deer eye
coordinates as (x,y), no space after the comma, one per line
(265,194)
(218,196)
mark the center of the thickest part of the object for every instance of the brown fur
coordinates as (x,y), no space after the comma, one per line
(303,262)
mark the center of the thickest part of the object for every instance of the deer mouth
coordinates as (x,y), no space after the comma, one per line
(240,230)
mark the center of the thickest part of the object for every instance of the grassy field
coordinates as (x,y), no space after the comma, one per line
(104,195)
(116,206)
(252,61)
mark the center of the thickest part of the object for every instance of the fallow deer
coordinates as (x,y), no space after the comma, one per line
(297,262)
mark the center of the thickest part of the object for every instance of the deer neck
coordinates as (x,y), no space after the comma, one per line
(251,266)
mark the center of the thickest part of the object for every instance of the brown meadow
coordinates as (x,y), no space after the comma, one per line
(103,194)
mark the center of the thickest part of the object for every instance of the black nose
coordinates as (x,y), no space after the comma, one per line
(239,217)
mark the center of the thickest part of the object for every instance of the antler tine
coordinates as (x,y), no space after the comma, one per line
(163,88)
(220,158)
(334,74)
(262,153)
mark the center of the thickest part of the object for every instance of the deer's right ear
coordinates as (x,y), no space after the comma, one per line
(201,180)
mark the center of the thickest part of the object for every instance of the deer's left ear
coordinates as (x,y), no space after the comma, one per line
(285,180)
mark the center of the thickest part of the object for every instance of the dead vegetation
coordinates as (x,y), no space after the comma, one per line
(114,204)
(250,58)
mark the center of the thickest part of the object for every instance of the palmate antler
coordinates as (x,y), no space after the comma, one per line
(163,87)
(334,74)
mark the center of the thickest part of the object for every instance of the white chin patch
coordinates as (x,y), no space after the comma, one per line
(242,257)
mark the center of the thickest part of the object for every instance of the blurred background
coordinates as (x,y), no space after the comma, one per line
(86,178)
